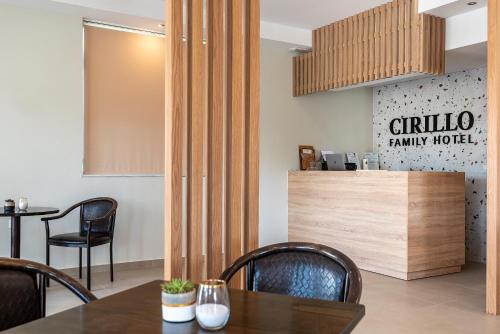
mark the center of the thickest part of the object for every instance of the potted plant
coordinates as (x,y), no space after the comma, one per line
(178,300)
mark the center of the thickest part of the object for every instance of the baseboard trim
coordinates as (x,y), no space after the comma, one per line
(124,266)
(433,272)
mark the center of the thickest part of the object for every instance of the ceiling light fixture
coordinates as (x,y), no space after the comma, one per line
(472,3)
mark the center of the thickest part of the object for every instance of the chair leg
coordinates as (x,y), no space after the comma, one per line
(47,260)
(111,260)
(43,294)
(80,262)
(88,268)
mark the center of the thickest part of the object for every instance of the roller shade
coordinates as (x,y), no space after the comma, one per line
(124,102)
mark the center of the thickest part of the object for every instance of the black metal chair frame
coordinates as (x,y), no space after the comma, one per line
(352,293)
(111,215)
(43,273)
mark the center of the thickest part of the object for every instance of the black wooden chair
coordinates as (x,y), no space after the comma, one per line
(22,290)
(301,270)
(97,225)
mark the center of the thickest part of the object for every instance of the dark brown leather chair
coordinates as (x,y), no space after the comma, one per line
(301,270)
(97,226)
(22,290)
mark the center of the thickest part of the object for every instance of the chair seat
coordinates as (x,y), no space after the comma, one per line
(79,239)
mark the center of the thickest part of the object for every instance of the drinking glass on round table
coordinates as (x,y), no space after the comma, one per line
(212,305)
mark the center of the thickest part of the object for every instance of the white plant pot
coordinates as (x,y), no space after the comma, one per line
(180,307)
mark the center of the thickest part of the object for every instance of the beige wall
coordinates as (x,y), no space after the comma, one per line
(41,131)
(339,121)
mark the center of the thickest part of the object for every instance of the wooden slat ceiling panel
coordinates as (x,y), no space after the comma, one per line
(383,42)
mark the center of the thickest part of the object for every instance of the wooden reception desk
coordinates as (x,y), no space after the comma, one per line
(407,225)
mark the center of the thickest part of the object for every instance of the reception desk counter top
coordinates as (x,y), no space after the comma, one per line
(407,225)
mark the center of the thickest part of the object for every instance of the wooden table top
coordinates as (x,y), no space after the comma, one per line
(138,310)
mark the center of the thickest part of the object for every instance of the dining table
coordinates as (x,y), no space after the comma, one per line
(138,310)
(15,224)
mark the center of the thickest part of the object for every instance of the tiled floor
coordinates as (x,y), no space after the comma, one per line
(59,299)
(447,304)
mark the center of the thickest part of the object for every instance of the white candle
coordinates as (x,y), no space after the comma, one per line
(212,315)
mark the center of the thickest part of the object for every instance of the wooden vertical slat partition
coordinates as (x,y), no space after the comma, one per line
(252,135)
(295,76)
(326,78)
(407,36)
(366,46)
(349,50)
(345,59)
(415,37)
(442,47)
(235,132)
(432,43)
(302,76)
(371,44)
(212,133)
(401,37)
(331,57)
(336,54)
(321,60)
(174,119)
(383,42)
(195,139)
(359,63)
(383,48)
(376,44)
(395,41)
(388,50)
(215,42)
(493,177)
(315,64)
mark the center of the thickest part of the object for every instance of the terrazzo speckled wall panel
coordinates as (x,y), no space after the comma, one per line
(439,124)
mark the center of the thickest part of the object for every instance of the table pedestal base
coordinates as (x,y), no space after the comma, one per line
(15,237)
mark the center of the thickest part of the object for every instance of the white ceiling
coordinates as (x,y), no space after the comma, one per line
(306,14)
(311,14)
(448,8)
(283,20)
(141,14)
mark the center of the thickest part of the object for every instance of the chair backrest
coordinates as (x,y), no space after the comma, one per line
(22,290)
(96,208)
(301,270)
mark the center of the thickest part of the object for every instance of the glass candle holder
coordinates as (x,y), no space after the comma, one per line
(212,305)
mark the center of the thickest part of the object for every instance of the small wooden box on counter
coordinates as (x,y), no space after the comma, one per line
(407,225)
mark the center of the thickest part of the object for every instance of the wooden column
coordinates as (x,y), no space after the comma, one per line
(493,177)
(195,104)
(215,136)
(235,132)
(252,135)
(212,120)
(174,124)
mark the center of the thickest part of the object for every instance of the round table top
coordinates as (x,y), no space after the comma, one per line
(30,211)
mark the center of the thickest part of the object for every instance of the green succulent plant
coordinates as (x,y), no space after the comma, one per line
(177,286)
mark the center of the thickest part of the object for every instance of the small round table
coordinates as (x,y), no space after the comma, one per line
(15,225)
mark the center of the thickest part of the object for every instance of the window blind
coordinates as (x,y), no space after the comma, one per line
(124,102)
